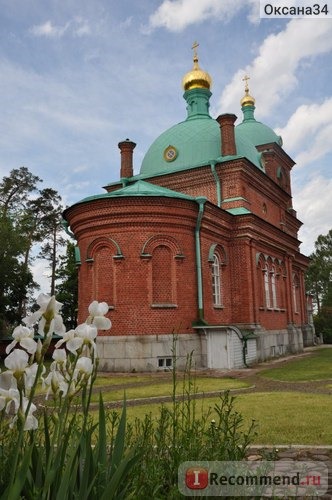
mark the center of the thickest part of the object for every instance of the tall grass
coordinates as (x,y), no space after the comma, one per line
(178,434)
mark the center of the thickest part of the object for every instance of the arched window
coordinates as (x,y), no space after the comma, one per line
(273,288)
(216,281)
(217,260)
(296,292)
(271,274)
(267,287)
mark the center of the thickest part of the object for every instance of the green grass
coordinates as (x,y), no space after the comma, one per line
(314,366)
(164,388)
(282,418)
(289,417)
(122,380)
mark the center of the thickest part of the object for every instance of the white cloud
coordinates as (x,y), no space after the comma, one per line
(311,201)
(76,27)
(176,15)
(273,71)
(308,132)
(49,30)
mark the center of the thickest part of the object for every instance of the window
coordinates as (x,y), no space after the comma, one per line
(216,282)
(271,275)
(273,287)
(165,363)
(267,288)
(296,292)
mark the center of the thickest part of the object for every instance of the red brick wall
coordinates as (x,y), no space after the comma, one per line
(138,254)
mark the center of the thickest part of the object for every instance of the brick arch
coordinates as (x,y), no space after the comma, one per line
(161,240)
(101,255)
(102,242)
(220,251)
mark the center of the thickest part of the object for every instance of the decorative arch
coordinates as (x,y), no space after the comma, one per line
(218,249)
(161,239)
(101,255)
(103,242)
(164,254)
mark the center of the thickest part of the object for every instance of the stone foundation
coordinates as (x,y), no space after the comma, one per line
(272,344)
(147,353)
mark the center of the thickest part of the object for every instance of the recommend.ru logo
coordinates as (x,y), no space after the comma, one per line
(247,479)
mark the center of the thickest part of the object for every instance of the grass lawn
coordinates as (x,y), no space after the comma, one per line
(165,388)
(314,366)
(281,418)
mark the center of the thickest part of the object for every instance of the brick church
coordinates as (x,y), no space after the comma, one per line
(202,243)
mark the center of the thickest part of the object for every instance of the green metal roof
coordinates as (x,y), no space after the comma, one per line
(139,188)
(197,141)
(255,132)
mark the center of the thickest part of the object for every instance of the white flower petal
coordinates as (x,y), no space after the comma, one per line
(17,361)
(74,344)
(102,323)
(29,344)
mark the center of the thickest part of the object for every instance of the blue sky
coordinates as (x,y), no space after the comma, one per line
(78,76)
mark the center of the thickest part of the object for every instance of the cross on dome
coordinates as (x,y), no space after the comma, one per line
(247,100)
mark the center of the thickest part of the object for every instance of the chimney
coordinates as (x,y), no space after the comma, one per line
(127,148)
(226,122)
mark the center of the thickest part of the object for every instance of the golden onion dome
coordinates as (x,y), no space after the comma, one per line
(247,99)
(196,78)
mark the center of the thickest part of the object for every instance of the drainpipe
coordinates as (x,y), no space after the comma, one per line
(216,178)
(244,340)
(201,201)
(65,226)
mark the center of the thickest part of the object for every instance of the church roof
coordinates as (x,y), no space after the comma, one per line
(137,189)
(255,132)
(196,141)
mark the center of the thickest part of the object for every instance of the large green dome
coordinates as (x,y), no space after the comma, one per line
(193,142)
(197,140)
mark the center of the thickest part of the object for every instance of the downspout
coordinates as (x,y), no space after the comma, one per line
(216,178)
(244,340)
(201,201)
(65,225)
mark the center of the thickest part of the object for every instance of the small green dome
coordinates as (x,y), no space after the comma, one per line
(255,132)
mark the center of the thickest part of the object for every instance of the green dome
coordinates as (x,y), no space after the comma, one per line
(193,142)
(255,132)
(188,144)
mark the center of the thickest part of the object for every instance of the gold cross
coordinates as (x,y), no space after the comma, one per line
(194,47)
(245,79)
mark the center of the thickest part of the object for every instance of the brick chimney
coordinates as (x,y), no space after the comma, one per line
(226,122)
(127,148)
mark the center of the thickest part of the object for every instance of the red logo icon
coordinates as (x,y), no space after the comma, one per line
(197,478)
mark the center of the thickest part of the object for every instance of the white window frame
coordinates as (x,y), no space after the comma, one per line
(216,281)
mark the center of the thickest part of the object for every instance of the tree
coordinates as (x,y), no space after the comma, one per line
(28,216)
(16,188)
(319,284)
(67,289)
(14,279)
